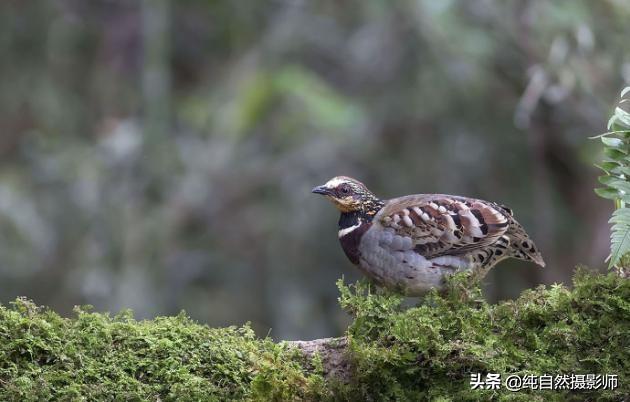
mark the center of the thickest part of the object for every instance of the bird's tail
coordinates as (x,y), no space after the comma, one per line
(522,246)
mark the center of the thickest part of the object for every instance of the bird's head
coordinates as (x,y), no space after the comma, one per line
(349,195)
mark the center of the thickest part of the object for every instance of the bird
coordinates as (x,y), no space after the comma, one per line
(410,244)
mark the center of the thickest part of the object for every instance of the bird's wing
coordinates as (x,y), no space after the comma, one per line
(443,224)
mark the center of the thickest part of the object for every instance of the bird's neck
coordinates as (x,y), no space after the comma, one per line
(364,215)
(352,227)
(350,219)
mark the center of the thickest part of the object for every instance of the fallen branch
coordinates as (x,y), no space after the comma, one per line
(391,352)
(333,353)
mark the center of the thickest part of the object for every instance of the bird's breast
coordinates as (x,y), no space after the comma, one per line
(350,238)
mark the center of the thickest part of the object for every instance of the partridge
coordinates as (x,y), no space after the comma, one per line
(409,244)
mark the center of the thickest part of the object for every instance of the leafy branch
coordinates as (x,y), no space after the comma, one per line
(616,180)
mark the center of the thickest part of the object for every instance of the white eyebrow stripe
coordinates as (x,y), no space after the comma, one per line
(343,232)
(334,182)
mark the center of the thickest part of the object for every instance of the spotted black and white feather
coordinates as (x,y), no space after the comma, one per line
(410,243)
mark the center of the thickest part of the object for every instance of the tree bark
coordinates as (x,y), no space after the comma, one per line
(333,352)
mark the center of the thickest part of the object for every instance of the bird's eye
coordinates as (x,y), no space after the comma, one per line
(345,189)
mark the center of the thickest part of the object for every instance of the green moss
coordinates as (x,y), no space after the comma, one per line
(429,351)
(423,352)
(98,357)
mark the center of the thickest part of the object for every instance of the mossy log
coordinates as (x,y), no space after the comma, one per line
(389,352)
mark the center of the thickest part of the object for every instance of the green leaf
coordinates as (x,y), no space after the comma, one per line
(607,167)
(620,185)
(620,235)
(614,154)
(607,180)
(612,142)
(622,116)
(607,192)
(621,170)
(616,163)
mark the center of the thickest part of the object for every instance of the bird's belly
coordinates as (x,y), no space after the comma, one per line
(394,264)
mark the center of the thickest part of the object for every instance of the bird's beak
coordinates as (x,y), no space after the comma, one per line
(320,190)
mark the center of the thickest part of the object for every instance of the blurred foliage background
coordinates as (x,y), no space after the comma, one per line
(159,155)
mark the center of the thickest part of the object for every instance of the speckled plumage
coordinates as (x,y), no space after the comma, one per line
(410,243)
